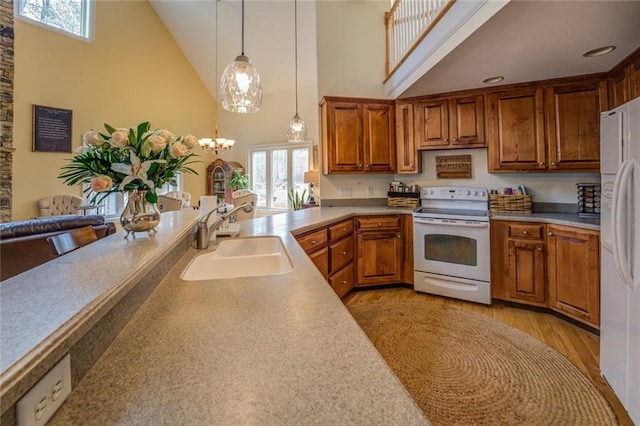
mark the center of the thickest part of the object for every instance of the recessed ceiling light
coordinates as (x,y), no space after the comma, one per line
(495,79)
(599,51)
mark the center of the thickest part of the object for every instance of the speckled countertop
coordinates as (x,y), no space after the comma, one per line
(278,349)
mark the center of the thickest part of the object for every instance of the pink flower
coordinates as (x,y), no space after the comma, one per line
(119,139)
(101,183)
(157,142)
(190,141)
(93,138)
(178,149)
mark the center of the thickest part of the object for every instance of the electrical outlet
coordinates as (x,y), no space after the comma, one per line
(344,192)
(38,405)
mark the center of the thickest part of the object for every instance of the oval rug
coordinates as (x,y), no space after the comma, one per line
(464,368)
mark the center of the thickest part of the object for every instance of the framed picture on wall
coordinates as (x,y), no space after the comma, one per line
(51,129)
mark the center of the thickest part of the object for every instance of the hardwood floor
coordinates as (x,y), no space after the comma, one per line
(580,346)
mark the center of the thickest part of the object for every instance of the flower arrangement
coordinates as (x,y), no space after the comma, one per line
(124,159)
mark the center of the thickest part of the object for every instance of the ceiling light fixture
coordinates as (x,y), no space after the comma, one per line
(217,145)
(297,128)
(495,79)
(241,86)
(599,51)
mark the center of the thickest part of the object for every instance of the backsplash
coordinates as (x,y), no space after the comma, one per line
(546,188)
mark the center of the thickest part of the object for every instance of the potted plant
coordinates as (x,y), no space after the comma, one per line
(237,180)
(296,199)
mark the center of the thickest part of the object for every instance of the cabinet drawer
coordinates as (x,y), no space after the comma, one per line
(530,231)
(340,254)
(340,230)
(342,281)
(379,222)
(311,242)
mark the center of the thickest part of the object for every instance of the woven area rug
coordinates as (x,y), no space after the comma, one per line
(463,368)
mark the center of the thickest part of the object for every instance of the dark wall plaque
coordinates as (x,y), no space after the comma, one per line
(453,167)
(51,129)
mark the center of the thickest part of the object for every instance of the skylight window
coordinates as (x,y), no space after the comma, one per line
(70,17)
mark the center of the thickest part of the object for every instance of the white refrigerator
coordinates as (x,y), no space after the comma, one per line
(620,253)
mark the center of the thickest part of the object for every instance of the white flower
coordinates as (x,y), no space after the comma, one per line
(119,139)
(156,142)
(190,141)
(93,138)
(135,170)
(178,149)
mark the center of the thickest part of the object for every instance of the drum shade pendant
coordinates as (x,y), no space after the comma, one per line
(297,128)
(241,88)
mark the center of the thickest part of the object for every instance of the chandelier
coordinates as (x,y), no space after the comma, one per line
(217,145)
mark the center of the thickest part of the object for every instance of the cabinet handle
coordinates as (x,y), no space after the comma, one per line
(446,139)
(313,242)
(359,166)
(399,236)
(541,163)
(344,253)
(455,139)
(525,232)
(344,229)
(550,234)
(379,223)
(553,164)
(539,248)
(344,281)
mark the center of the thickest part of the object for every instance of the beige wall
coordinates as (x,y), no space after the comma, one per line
(133,72)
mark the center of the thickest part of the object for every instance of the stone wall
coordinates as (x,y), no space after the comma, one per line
(6,108)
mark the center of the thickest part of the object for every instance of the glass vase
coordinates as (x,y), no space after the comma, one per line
(139,215)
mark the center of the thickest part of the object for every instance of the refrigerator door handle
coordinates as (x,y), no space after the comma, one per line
(635,217)
(618,214)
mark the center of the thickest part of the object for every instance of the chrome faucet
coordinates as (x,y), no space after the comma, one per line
(204,232)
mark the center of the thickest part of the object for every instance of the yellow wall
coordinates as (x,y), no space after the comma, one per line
(133,72)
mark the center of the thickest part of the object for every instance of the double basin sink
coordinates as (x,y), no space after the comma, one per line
(240,257)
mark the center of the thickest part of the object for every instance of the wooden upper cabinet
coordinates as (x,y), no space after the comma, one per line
(358,136)
(379,138)
(634,80)
(466,121)
(409,159)
(620,88)
(432,124)
(450,123)
(515,129)
(573,125)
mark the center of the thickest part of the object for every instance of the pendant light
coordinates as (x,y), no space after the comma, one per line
(297,128)
(241,86)
(217,145)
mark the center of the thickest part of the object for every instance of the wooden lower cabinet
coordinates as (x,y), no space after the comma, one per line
(547,265)
(380,250)
(573,258)
(342,281)
(320,258)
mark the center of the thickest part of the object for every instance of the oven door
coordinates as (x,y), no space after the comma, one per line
(454,248)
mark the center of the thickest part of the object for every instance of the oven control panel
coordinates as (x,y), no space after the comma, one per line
(462,193)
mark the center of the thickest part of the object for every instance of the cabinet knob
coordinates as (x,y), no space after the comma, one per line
(446,139)
(541,163)
(313,242)
(344,281)
(379,223)
(344,253)
(539,248)
(359,166)
(553,164)
(344,229)
(455,139)
(550,234)
(399,236)
(525,232)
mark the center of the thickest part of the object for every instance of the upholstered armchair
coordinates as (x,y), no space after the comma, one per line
(59,205)
(243,196)
(180,195)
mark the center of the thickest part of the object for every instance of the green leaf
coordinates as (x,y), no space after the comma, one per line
(151,197)
(109,128)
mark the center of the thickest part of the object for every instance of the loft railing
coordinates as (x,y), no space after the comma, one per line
(407,23)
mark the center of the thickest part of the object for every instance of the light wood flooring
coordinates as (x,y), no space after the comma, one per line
(580,346)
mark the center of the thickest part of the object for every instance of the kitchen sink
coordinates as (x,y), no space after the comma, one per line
(240,257)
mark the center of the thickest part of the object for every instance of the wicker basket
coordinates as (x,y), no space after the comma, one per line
(510,204)
(403,199)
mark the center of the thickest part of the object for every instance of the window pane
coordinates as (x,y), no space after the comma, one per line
(66,15)
(299,165)
(279,178)
(259,176)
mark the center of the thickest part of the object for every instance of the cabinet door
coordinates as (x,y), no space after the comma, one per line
(574,274)
(432,124)
(342,137)
(515,131)
(379,257)
(379,144)
(340,254)
(573,124)
(409,159)
(526,271)
(342,281)
(619,89)
(320,258)
(466,122)
(634,80)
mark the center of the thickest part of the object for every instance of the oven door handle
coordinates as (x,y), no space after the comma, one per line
(451,222)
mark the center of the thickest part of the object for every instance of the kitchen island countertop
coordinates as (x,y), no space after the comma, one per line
(278,349)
